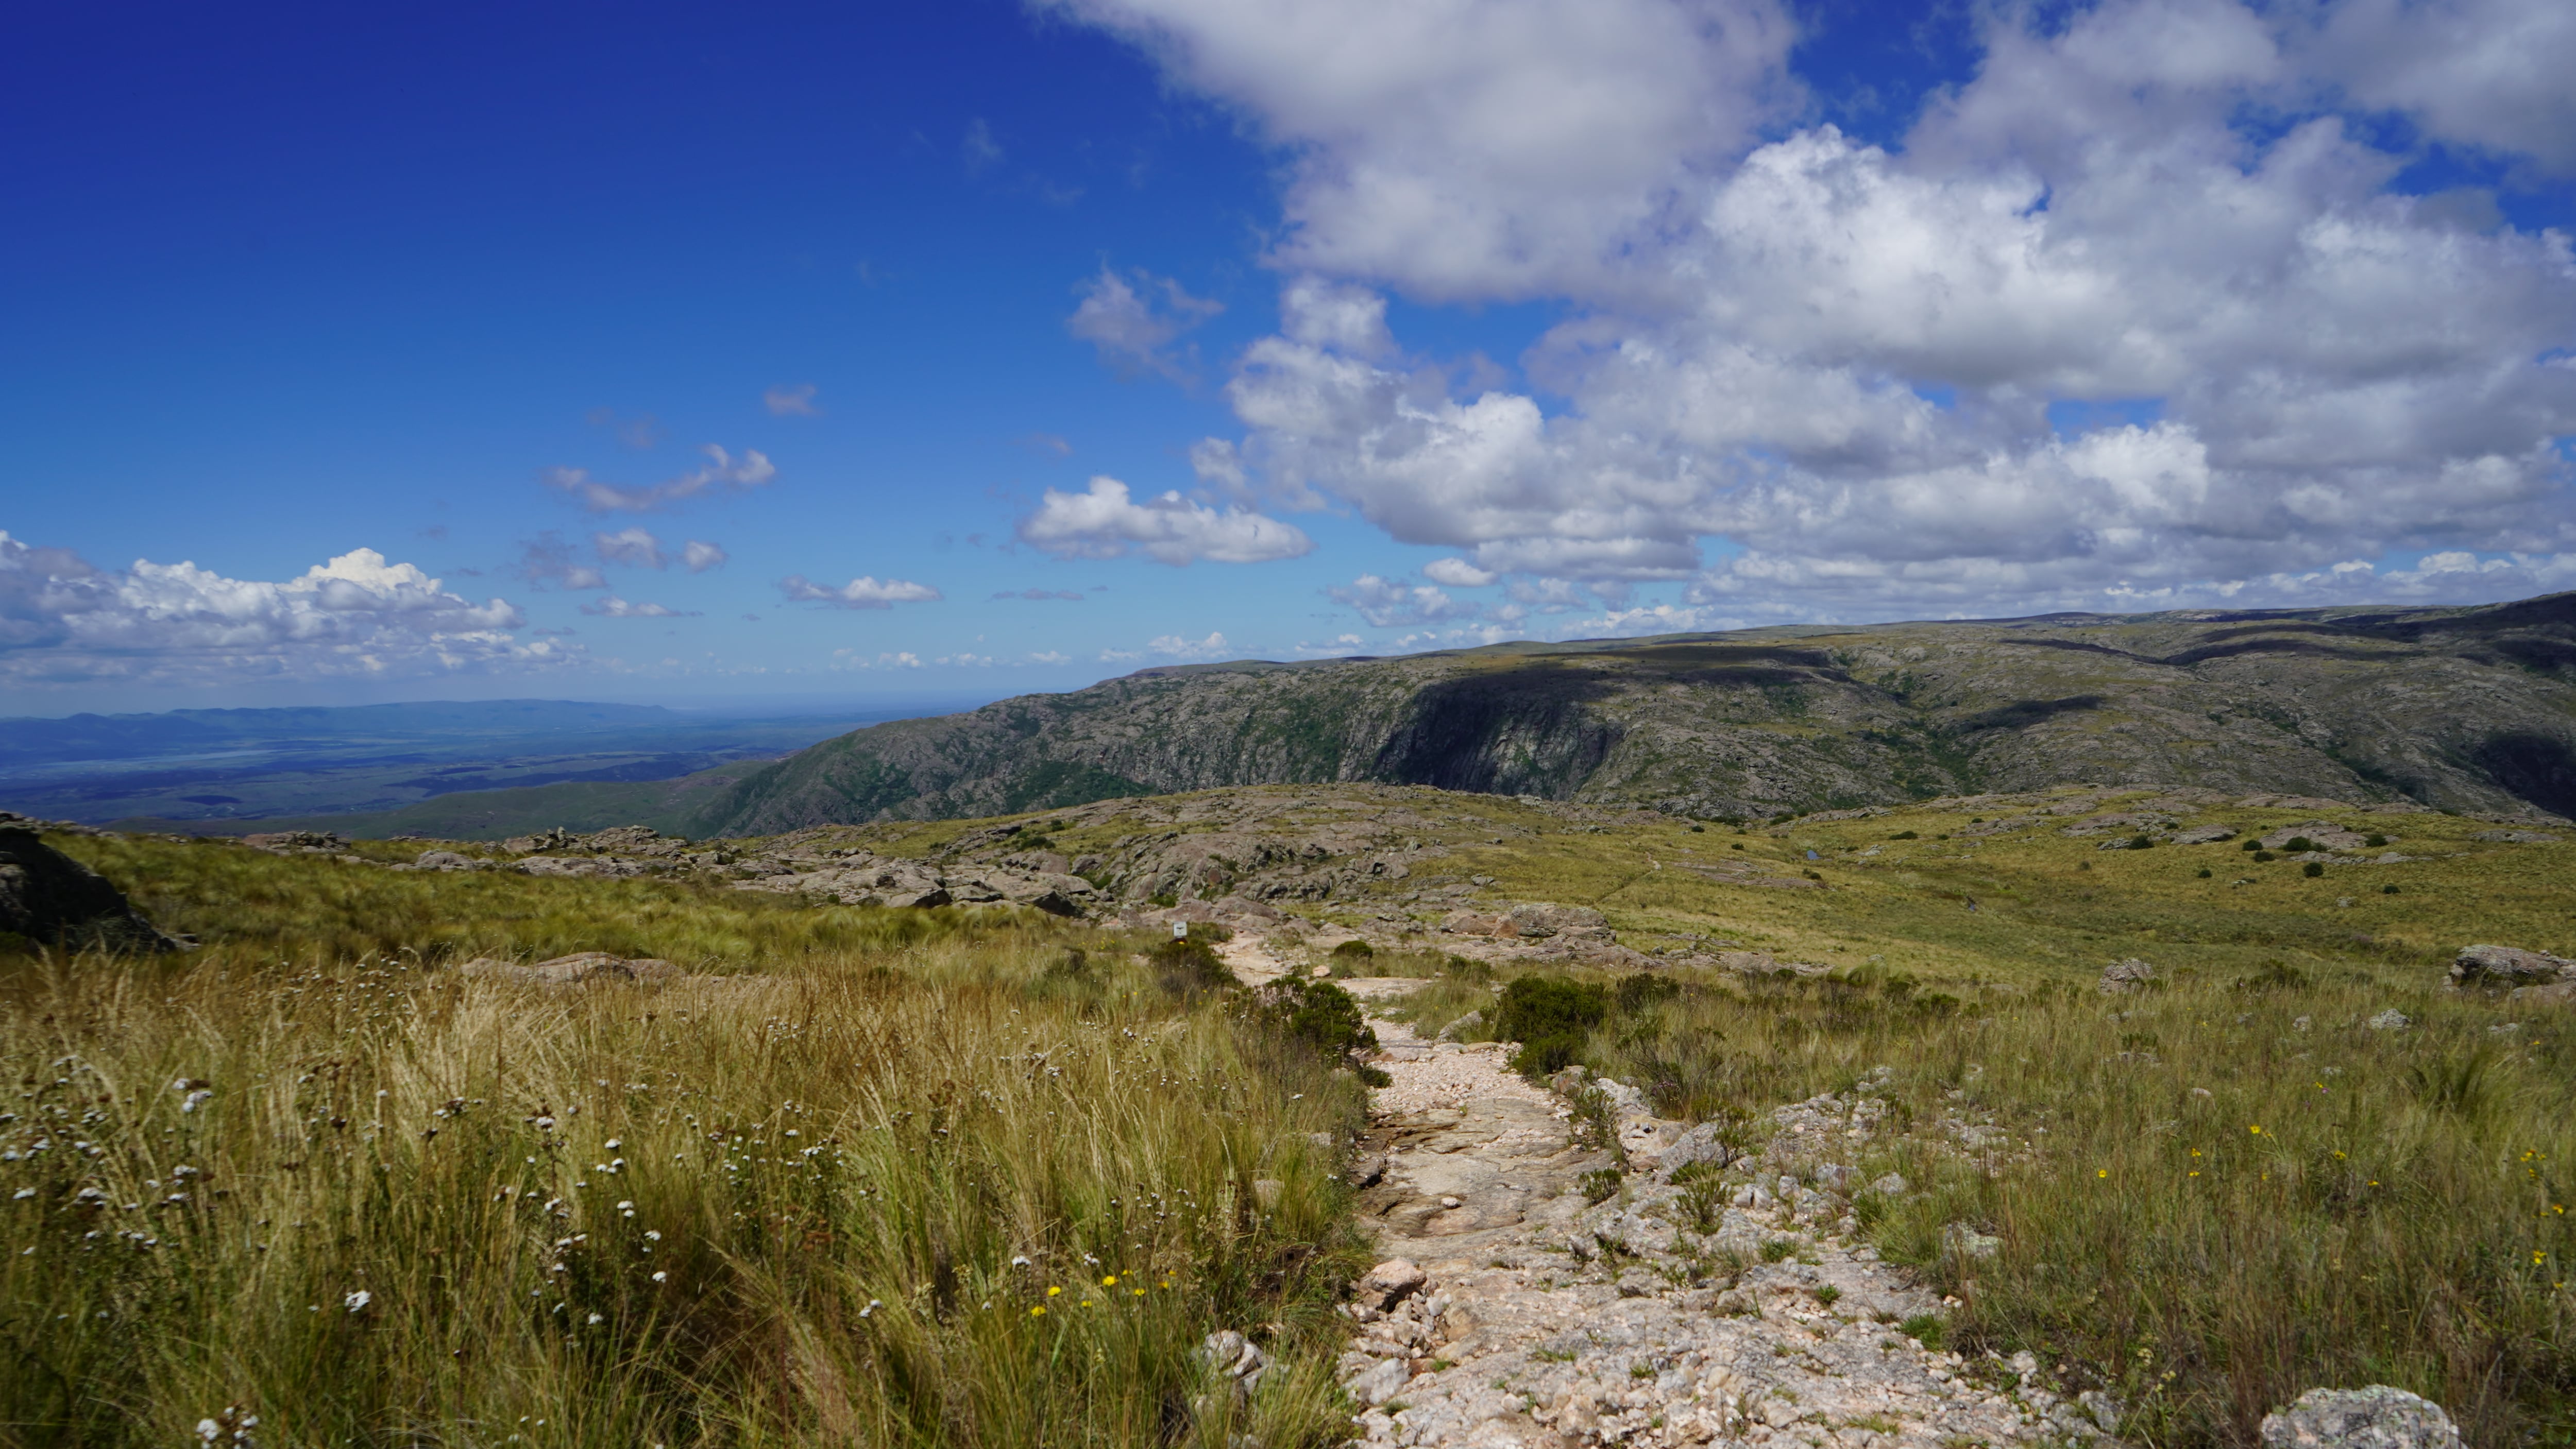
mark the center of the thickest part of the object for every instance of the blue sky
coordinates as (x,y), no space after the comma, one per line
(1444,322)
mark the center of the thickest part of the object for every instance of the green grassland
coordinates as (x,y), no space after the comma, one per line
(874,1177)
(2047,907)
(2207,1196)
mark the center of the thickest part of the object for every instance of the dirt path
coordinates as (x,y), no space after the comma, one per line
(1515,1312)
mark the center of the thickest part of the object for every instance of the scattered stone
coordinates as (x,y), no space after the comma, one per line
(1236,1358)
(445,860)
(2204,835)
(2378,1417)
(2516,837)
(2390,1020)
(2127,975)
(1390,1283)
(46,896)
(1967,1242)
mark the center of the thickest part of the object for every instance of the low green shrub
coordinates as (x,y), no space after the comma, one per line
(1550,1016)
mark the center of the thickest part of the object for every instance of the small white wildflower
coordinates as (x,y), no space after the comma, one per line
(596,1318)
(624,1204)
(653,1234)
(665,1278)
(613,1144)
(196,1099)
(357,1302)
(23,1194)
(209,1430)
(873,1305)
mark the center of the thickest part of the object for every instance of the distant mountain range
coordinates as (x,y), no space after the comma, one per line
(2470,709)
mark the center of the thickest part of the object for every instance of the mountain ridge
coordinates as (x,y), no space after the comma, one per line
(2469,708)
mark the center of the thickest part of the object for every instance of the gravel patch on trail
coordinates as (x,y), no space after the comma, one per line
(1513,1311)
(1445,1074)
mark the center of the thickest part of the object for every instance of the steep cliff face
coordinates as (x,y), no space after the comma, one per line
(2462,708)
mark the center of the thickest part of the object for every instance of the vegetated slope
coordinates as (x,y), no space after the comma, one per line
(2462,708)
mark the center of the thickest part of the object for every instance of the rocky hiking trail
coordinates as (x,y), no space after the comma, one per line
(1513,1312)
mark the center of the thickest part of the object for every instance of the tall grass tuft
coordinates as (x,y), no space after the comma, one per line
(2210,1197)
(949,1194)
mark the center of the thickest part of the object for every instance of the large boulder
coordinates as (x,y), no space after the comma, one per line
(2508,966)
(47,896)
(2378,1417)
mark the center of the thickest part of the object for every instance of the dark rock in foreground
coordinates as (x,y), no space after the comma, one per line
(47,896)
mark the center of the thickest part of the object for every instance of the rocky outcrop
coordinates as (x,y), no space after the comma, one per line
(2492,966)
(857,878)
(2378,1417)
(50,898)
(297,842)
(2127,975)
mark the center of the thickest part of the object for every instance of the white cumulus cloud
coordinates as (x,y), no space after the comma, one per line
(1106,521)
(1177,646)
(701,555)
(864,592)
(1457,573)
(1390,603)
(2142,307)
(65,621)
